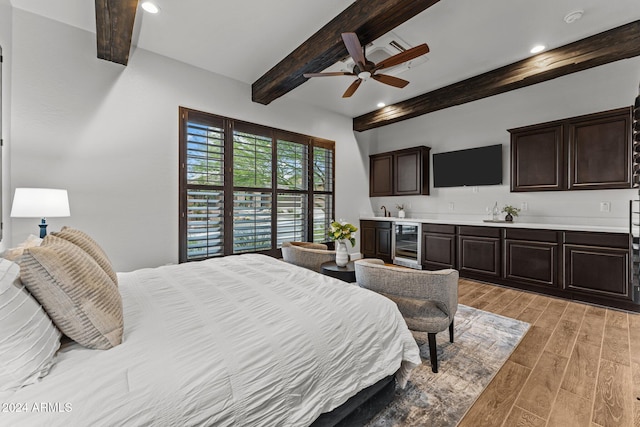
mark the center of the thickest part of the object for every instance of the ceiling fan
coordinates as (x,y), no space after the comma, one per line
(365,69)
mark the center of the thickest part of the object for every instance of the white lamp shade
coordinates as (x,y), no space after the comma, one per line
(40,203)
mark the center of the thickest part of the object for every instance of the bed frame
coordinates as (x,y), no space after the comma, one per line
(361,408)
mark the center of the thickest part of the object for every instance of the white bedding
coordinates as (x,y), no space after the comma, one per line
(242,340)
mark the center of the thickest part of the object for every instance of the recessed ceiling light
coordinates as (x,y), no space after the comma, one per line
(572,17)
(381,104)
(150,7)
(537,49)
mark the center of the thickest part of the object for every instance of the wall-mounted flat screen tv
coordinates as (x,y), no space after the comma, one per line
(475,166)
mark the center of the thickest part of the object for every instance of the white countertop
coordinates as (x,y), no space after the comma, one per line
(514,224)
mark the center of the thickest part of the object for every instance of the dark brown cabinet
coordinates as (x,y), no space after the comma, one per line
(531,257)
(600,151)
(381,175)
(537,159)
(578,153)
(399,173)
(597,264)
(585,266)
(479,251)
(375,239)
(438,246)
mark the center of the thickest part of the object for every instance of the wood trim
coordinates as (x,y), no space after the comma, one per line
(612,45)
(114,29)
(368,19)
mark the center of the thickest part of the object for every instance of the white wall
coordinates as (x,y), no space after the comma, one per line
(109,134)
(485,122)
(5,42)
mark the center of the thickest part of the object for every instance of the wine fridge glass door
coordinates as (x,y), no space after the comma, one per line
(407,242)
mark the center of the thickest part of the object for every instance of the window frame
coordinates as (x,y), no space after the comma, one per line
(229,126)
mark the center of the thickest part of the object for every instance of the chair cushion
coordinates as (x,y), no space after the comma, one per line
(421,315)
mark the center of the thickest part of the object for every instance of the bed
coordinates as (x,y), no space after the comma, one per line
(244,340)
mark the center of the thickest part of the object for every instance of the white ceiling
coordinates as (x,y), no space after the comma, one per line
(243,39)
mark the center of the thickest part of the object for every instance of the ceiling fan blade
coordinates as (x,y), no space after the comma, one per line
(354,48)
(390,80)
(405,56)
(336,73)
(352,88)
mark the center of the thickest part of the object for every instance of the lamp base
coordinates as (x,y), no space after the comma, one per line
(43,228)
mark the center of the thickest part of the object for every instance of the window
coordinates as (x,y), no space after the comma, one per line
(248,188)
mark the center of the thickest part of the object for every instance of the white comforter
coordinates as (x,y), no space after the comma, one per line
(242,340)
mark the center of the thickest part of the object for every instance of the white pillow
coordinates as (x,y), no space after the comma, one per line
(12,254)
(28,338)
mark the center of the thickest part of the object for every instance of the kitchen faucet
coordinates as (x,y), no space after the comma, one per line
(385,211)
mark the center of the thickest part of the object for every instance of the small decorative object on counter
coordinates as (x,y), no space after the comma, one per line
(495,212)
(511,212)
(340,232)
(401,213)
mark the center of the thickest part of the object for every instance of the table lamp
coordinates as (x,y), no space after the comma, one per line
(40,203)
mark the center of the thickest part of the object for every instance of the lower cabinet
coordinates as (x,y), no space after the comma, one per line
(531,262)
(479,251)
(438,246)
(531,257)
(597,265)
(586,266)
(375,239)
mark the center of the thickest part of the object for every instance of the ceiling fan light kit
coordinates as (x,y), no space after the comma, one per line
(365,69)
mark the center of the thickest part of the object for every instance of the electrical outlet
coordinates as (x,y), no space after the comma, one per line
(605,206)
(524,206)
(475,189)
(451,206)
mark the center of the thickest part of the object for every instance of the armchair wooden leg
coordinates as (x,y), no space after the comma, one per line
(451,332)
(433,352)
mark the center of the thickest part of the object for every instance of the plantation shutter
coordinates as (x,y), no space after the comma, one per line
(323,177)
(249,188)
(203,175)
(292,175)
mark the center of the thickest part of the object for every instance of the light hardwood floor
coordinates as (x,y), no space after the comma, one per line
(578,365)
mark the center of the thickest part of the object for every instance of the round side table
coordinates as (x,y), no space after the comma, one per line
(346,274)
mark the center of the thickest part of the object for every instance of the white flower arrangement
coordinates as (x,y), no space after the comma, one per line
(342,231)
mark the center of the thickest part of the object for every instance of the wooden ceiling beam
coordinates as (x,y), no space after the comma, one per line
(114,29)
(613,45)
(369,19)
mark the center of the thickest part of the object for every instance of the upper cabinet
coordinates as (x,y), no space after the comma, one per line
(537,158)
(579,153)
(381,175)
(399,173)
(600,151)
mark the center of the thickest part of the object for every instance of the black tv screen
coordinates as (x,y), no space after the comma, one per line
(475,166)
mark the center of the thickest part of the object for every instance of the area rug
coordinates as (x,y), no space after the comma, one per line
(483,342)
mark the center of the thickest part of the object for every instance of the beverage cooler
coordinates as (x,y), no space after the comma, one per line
(407,244)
